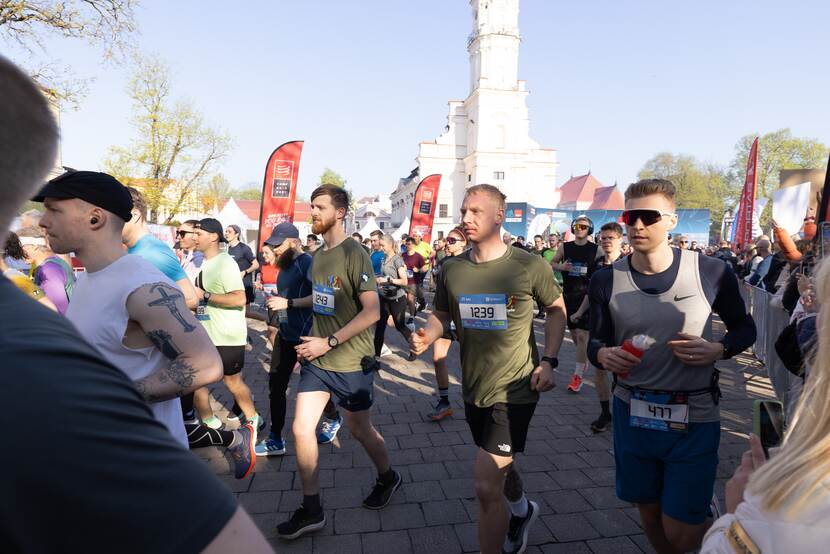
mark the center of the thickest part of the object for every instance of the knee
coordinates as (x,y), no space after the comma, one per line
(360,431)
(488,493)
(304,430)
(684,538)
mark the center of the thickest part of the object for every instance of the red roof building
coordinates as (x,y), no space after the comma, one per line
(608,198)
(577,193)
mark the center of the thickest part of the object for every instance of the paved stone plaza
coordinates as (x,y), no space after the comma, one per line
(567,469)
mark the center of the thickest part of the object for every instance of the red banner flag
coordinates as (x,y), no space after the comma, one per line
(743,219)
(423,208)
(279,189)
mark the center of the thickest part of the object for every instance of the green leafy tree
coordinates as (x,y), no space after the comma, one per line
(776,151)
(108,25)
(331,177)
(175,152)
(698,185)
(249,193)
(218,188)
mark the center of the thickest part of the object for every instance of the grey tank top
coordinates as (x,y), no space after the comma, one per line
(683,308)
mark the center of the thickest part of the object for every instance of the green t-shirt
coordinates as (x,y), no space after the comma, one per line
(225,326)
(492,305)
(339,275)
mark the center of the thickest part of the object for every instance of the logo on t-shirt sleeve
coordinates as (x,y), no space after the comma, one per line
(364,277)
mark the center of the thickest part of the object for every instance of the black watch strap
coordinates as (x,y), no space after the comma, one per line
(290,303)
(552,360)
(333,342)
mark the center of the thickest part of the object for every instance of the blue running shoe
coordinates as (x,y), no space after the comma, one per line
(242,454)
(272,446)
(329,429)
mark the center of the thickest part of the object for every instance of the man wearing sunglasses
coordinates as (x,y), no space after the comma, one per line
(192,258)
(666,414)
(576,260)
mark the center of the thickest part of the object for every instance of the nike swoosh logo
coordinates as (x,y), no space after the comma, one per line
(679,298)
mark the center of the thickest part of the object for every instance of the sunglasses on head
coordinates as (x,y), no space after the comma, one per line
(453,240)
(581,227)
(648,217)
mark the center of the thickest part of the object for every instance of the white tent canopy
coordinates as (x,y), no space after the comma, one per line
(404,228)
(539,226)
(370,226)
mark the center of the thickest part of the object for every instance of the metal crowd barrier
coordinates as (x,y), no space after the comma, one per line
(770,321)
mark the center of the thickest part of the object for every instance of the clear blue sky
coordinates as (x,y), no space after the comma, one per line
(363,82)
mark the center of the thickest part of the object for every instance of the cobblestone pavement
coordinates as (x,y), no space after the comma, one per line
(567,469)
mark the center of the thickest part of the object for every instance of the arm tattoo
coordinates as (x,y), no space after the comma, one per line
(170,298)
(164,342)
(141,386)
(181,373)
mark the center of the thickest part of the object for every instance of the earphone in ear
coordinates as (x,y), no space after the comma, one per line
(93,220)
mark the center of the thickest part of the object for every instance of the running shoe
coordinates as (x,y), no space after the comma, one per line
(242,454)
(258,424)
(301,522)
(272,446)
(442,410)
(329,429)
(516,540)
(576,383)
(382,493)
(601,423)
(213,422)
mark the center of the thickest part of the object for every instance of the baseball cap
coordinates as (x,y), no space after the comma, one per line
(284,230)
(212,226)
(99,189)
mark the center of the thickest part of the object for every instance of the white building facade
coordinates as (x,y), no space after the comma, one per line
(486,138)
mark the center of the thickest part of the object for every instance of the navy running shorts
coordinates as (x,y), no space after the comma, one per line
(353,391)
(673,468)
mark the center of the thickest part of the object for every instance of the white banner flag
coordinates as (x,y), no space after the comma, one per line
(789,206)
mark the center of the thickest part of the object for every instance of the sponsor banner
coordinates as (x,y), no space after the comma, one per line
(743,219)
(424,206)
(279,189)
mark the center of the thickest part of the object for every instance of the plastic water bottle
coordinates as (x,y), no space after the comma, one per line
(282,315)
(636,345)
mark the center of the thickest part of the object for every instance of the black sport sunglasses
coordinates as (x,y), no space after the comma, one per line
(648,217)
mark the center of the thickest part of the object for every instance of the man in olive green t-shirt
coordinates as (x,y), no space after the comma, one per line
(489,292)
(338,359)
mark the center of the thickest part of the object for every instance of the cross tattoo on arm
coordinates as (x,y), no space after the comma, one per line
(170,298)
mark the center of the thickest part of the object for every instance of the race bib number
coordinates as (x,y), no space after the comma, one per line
(483,311)
(323,300)
(660,412)
(578,270)
(201,312)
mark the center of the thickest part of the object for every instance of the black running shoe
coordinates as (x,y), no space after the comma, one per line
(301,522)
(516,540)
(382,493)
(601,423)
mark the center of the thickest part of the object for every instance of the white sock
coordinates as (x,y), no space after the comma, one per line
(579,369)
(519,508)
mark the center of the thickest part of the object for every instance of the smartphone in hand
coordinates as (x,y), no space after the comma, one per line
(768,423)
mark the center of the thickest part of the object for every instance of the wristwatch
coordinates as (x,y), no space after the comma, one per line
(290,303)
(207,297)
(552,360)
(334,342)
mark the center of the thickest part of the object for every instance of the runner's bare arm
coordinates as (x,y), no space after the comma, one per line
(233,299)
(401,280)
(160,311)
(555,319)
(437,324)
(280,303)
(556,262)
(189,293)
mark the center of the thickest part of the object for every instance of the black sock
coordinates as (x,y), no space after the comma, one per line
(388,477)
(605,410)
(312,503)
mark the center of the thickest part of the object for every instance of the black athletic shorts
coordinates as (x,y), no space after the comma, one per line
(572,304)
(233,358)
(500,429)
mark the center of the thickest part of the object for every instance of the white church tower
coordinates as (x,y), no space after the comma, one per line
(486,139)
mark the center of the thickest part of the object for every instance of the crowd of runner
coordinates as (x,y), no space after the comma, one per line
(121,357)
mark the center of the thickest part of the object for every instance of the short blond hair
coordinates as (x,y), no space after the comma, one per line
(647,187)
(491,191)
(28,140)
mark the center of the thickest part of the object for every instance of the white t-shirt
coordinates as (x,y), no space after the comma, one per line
(99,311)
